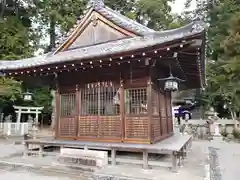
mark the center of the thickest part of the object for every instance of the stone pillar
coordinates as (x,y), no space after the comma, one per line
(174,162)
(216,131)
(26,146)
(145,159)
(113,155)
(40,153)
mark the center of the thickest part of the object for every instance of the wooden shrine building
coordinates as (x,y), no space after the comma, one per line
(107,71)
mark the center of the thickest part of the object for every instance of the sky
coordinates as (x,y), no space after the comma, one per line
(178,6)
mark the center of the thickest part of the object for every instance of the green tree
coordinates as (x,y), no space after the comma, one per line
(223,60)
(57,16)
(155,14)
(17,40)
(10,89)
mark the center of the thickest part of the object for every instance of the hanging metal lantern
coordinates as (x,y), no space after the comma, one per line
(27,96)
(171,82)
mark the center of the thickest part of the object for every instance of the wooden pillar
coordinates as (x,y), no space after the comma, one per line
(149,108)
(160,110)
(99,110)
(166,108)
(77,109)
(171,118)
(57,116)
(122,110)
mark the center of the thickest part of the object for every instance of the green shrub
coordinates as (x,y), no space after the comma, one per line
(224,132)
(236,133)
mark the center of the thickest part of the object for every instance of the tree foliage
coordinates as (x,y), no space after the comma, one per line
(10,89)
(223,68)
(16,35)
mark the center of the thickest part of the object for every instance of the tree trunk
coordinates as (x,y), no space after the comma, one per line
(52,32)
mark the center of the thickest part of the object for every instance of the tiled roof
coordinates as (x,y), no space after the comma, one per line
(109,48)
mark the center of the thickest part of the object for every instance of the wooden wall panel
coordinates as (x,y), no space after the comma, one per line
(67,128)
(156,127)
(96,32)
(110,126)
(164,126)
(136,127)
(88,126)
(99,127)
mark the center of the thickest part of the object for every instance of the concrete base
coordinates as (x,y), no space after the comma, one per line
(217,138)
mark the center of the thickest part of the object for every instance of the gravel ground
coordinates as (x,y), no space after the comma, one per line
(26,175)
(223,160)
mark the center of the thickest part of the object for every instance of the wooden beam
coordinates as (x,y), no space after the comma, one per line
(58,110)
(149,105)
(122,110)
(78,106)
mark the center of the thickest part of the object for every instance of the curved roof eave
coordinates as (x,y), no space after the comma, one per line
(105,49)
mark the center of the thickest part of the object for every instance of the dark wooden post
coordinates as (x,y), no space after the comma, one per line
(122,110)
(160,110)
(57,116)
(166,108)
(171,118)
(149,108)
(77,108)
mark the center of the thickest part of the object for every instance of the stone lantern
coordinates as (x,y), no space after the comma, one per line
(214,124)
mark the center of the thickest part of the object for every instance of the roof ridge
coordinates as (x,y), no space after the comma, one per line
(110,12)
(96,3)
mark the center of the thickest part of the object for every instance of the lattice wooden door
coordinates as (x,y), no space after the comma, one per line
(100,112)
(67,121)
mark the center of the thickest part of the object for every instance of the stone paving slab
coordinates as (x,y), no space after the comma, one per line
(8,149)
(228,155)
(26,175)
